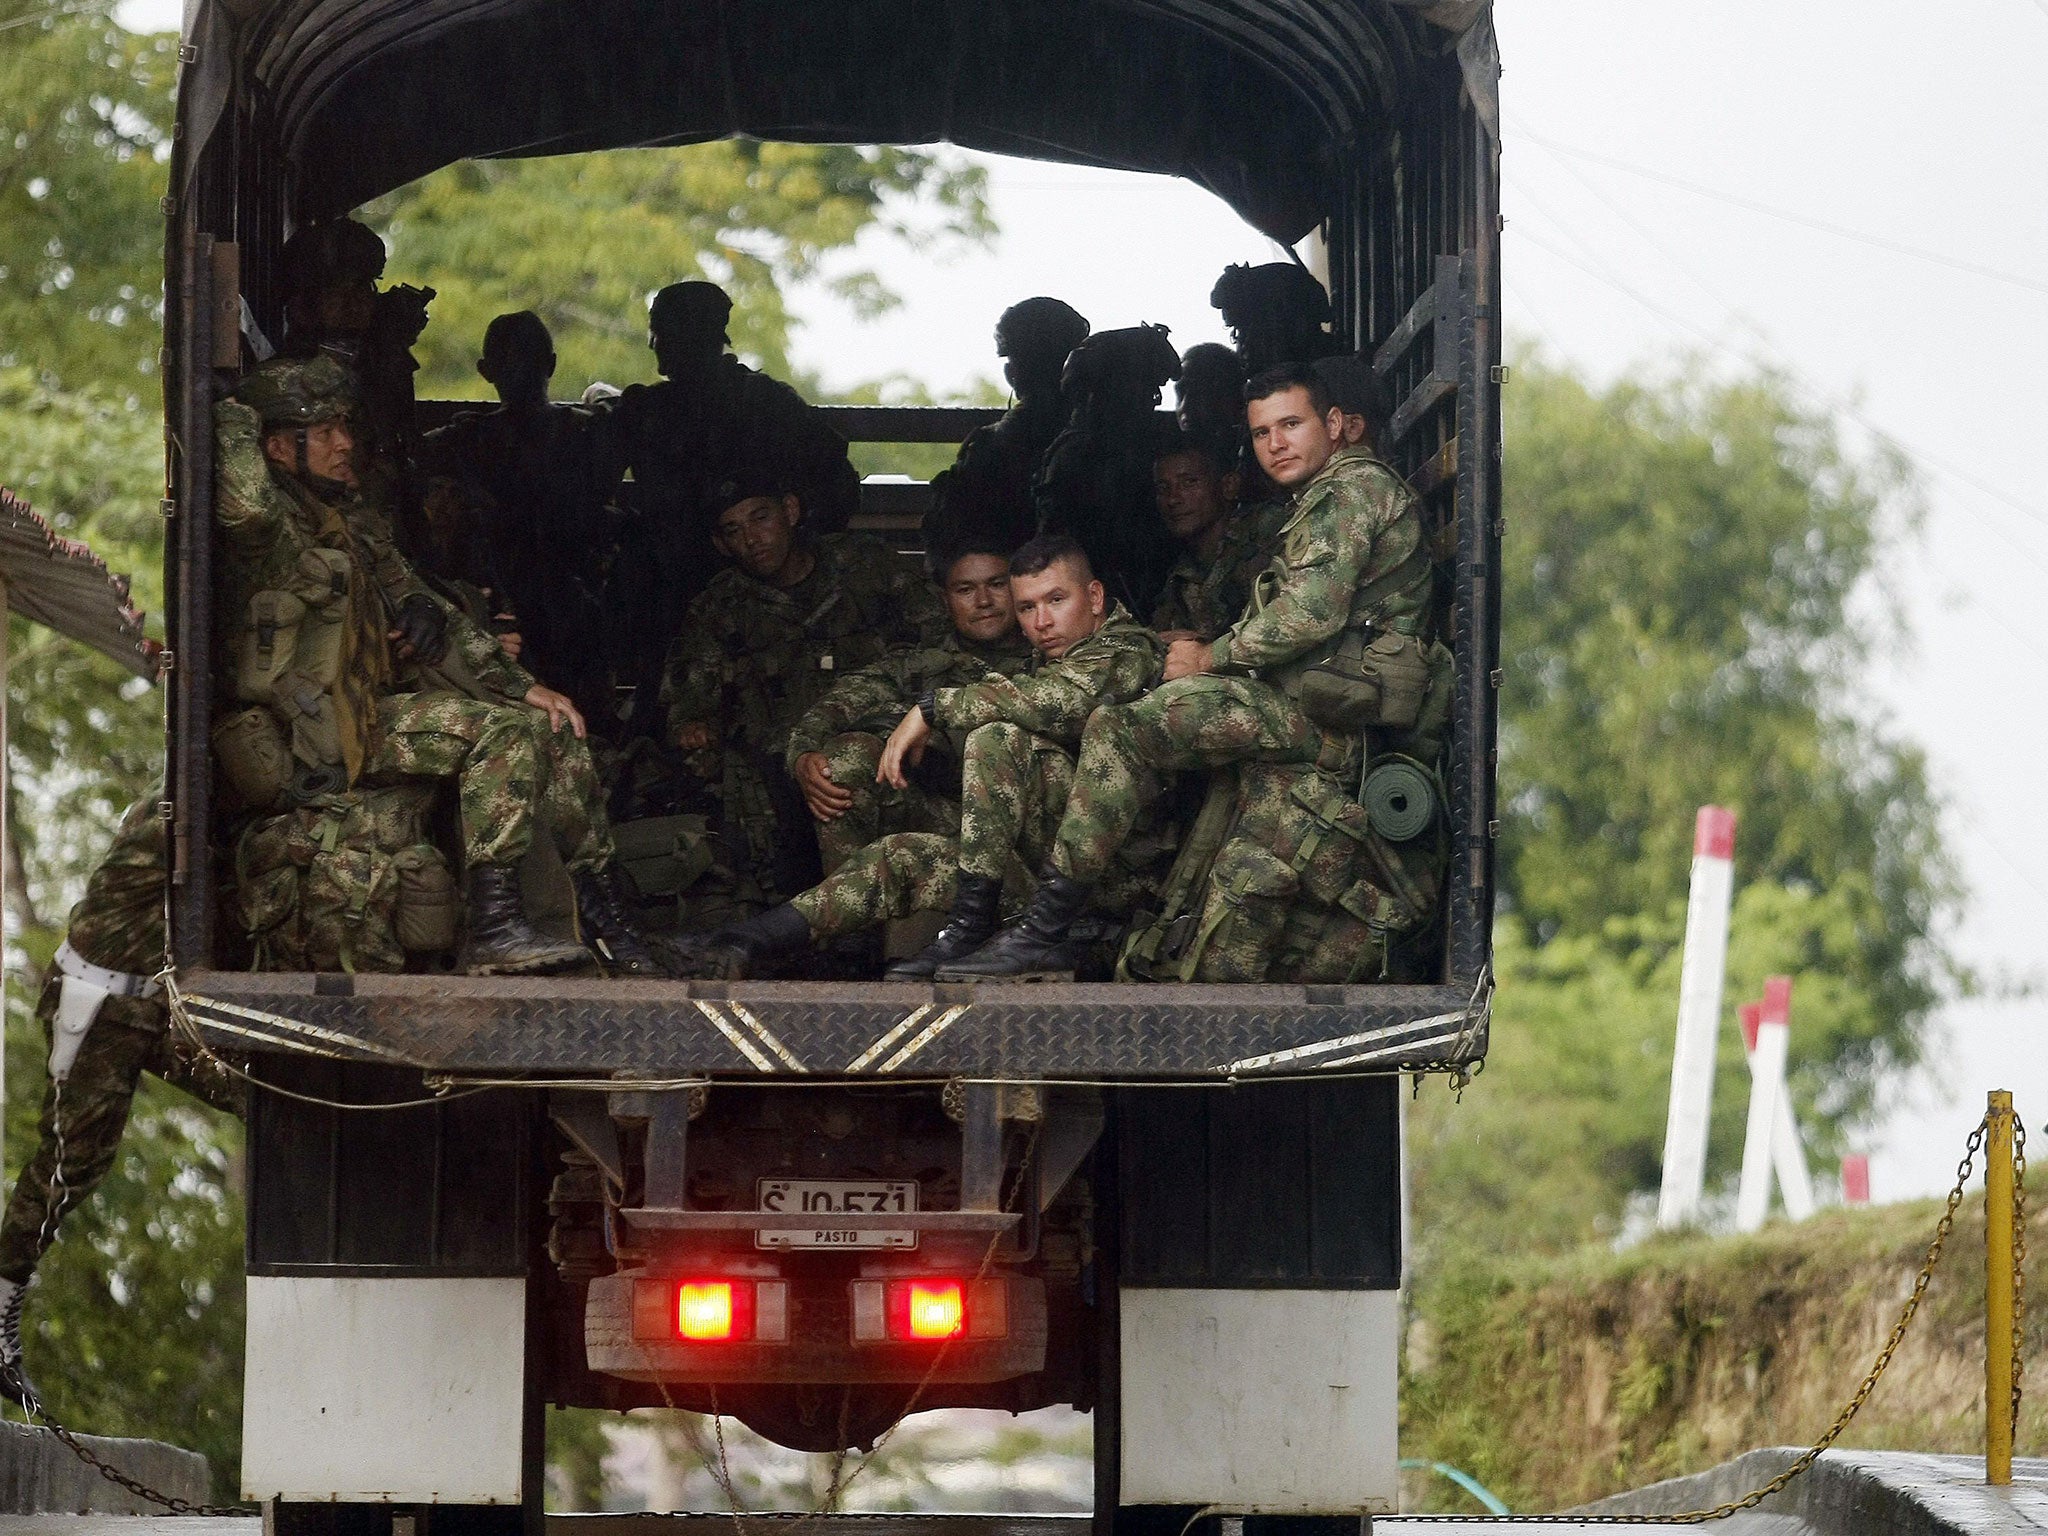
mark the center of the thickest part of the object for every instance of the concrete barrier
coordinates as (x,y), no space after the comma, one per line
(39,1474)
(1901,1493)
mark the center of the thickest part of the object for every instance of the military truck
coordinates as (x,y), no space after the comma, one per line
(818,1207)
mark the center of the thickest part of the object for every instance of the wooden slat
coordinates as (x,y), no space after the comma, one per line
(1427,396)
(1437,470)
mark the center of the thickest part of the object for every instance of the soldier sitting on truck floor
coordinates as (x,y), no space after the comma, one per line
(762,644)
(516,504)
(710,418)
(1017,771)
(357,674)
(1096,481)
(835,750)
(1329,653)
(105,1019)
(1225,542)
(986,495)
(1277,313)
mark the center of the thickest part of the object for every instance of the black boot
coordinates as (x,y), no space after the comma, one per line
(971,925)
(501,941)
(14,1383)
(1034,948)
(601,914)
(735,952)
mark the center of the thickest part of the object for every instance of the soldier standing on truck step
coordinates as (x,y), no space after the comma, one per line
(986,495)
(104,1015)
(1297,679)
(1018,769)
(357,673)
(761,645)
(835,750)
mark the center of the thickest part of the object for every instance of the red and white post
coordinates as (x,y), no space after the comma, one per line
(1771,1145)
(1701,975)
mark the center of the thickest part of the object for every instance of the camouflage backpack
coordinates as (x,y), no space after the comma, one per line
(348,883)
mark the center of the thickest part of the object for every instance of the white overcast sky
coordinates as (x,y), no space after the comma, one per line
(1909,124)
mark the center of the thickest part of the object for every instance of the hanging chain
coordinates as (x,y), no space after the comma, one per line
(170,1503)
(2019,1266)
(1806,1458)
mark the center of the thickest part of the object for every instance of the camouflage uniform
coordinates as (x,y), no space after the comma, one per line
(118,925)
(1208,596)
(753,659)
(463,717)
(1352,533)
(1017,771)
(851,723)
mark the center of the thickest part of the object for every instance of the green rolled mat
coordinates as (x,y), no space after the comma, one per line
(1400,799)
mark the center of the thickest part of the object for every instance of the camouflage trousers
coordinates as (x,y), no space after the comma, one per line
(878,809)
(1013,791)
(507,765)
(1129,751)
(903,873)
(90,1111)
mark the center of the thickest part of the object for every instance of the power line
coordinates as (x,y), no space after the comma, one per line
(1840,231)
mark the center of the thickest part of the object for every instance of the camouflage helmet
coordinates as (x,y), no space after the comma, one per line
(1273,288)
(1137,355)
(331,251)
(1049,327)
(298,391)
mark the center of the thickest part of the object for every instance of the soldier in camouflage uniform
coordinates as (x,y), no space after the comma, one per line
(835,750)
(113,949)
(762,644)
(1018,771)
(1352,577)
(356,673)
(1277,313)
(1224,543)
(986,495)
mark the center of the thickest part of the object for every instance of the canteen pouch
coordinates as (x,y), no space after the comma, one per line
(1322,836)
(345,909)
(1244,916)
(427,916)
(250,747)
(295,630)
(1372,679)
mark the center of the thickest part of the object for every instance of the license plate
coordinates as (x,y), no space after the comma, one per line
(824,1199)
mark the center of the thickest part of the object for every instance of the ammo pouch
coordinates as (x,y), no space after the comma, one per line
(1372,679)
(427,916)
(251,749)
(288,658)
(1244,916)
(660,857)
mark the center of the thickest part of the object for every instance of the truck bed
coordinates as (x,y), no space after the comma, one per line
(1032,1032)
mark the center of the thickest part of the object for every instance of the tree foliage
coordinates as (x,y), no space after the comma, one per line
(585,240)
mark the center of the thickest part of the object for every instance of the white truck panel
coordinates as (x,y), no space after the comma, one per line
(406,1390)
(1261,1402)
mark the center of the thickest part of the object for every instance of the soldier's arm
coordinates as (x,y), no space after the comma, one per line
(486,658)
(246,501)
(871,698)
(1053,702)
(1319,566)
(692,682)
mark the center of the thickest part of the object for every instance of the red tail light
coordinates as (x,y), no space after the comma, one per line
(931,1309)
(704,1310)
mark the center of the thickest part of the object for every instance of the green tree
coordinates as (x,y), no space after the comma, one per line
(1691,584)
(585,240)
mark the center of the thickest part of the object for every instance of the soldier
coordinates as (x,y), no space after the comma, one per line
(333,306)
(1018,769)
(1359,396)
(1277,313)
(104,1016)
(761,645)
(1295,681)
(713,418)
(361,675)
(836,748)
(1211,393)
(1096,482)
(516,505)
(986,496)
(1224,542)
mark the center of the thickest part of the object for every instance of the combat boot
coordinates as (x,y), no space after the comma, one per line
(734,952)
(601,914)
(971,925)
(1038,946)
(14,1383)
(501,941)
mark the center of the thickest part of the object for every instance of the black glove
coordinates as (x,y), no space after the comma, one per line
(422,626)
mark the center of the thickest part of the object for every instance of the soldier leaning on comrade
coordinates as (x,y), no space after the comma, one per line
(357,681)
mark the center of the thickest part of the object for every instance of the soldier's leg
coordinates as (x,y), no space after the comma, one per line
(904,873)
(571,800)
(488,749)
(851,761)
(1128,750)
(1013,792)
(81,1125)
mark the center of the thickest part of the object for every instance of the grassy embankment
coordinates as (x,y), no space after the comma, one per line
(1557,1381)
